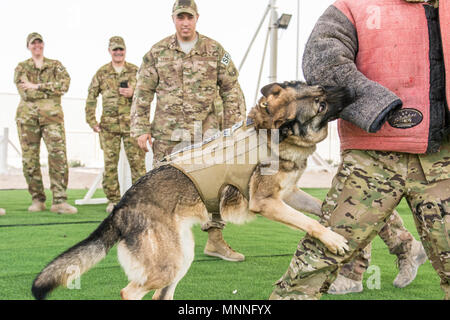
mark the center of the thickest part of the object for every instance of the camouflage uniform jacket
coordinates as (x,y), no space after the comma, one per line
(42,106)
(186,86)
(116,108)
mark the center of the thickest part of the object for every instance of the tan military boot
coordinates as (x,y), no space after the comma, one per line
(344,285)
(110,207)
(409,264)
(63,208)
(2,212)
(217,247)
(37,206)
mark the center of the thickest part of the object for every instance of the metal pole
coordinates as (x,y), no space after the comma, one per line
(254,37)
(273,42)
(297,74)
(123,170)
(262,66)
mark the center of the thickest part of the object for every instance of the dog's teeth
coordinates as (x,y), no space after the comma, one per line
(296,128)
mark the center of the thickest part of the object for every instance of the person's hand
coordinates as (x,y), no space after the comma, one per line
(96,128)
(142,141)
(25,85)
(126,92)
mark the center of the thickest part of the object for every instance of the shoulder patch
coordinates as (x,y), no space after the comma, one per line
(226,59)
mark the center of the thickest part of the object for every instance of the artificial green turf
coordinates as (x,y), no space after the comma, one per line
(25,248)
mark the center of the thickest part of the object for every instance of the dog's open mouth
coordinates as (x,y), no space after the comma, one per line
(296,128)
(292,127)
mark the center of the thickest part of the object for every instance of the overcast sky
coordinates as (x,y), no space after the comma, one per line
(77,32)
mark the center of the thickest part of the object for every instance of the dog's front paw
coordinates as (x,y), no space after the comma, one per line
(336,243)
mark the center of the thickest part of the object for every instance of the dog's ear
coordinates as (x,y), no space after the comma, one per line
(260,115)
(271,89)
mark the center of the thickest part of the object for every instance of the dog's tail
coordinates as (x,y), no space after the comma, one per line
(75,261)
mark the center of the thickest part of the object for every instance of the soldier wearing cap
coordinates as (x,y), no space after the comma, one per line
(188,72)
(41,82)
(115,81)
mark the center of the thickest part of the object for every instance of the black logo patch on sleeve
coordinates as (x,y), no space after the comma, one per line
(405,118)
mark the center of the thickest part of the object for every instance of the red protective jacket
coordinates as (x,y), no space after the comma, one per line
(390,52)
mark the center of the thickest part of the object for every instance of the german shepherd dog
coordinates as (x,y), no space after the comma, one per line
(152,222)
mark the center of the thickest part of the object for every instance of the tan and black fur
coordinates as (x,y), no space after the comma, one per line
(152,222)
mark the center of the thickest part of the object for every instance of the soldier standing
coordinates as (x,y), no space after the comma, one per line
(187,71)
(115,81)
(394,137)
(41,82)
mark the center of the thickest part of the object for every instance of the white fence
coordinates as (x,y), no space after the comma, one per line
(83,145)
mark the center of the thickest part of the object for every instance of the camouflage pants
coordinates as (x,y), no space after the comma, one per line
(364,193)
(110,142)
(55,140)
(161,148)
(394,234)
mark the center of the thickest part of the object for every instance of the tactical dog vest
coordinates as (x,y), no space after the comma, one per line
(227,158)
